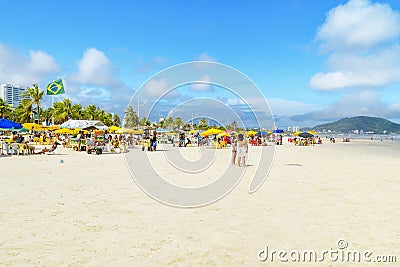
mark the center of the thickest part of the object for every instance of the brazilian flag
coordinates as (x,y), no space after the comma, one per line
(55,88)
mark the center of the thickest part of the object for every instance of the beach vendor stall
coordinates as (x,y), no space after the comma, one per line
(96,144)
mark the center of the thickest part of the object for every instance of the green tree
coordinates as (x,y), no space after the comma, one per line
(144,122)
(116,120)
(234,125)
(179,122)
(91,112)
(47,114)
(35,95)
(203,124)
(77,112)
(203,121)
(5,109)
(63,110)
(106,118)
(169,122)
(131,119)
(23,113)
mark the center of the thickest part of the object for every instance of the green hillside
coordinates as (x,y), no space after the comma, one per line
(367,124)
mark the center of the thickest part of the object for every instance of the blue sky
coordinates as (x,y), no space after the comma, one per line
(314,61)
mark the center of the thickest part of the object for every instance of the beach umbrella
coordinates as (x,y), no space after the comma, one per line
(63,131)
(23,130)
(278,131)
(114,128)
(305,135)
(161,130)
(214,131)
(211,131)
(222,134)
(297,133)
(30,125)
(52,127)
(7,124)
(312,132)
(251,133)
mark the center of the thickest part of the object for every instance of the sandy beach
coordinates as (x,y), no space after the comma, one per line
(75,209)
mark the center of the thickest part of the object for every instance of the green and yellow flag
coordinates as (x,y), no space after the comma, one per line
(55,88)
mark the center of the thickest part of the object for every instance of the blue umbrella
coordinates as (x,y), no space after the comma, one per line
(278,131)
(7,124)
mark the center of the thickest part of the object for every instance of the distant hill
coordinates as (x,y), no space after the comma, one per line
(366,124)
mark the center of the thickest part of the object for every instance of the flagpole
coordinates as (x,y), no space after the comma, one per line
(52,115)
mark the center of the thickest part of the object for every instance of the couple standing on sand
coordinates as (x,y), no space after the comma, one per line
(240,148)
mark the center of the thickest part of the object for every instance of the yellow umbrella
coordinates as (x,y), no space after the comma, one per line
(62,131)
(297,133)
(211,131)
(114,128)
(31,125)
(53,127)
(312,132)
(251,133)
(214,131)
(222,134)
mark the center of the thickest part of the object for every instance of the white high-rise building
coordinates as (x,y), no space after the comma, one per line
(11,94)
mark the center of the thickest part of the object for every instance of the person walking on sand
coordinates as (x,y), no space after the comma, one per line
(78,139)
(242,150)
(234,150)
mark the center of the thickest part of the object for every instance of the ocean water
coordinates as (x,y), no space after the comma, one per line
(383,137)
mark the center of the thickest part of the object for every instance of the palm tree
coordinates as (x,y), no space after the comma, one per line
(35,96)
(106,118)
(5,109)
(116,121)
(144,122)
(77,112)
(23,113)
(169,122)
(179,122)
(91,112)
(63,110)
(131,119)
(234,125)
(47,114)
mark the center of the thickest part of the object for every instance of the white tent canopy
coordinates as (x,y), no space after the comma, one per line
(84,124)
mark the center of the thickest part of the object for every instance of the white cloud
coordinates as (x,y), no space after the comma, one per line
(286,107)
(203,84)
(156,87)
(95,69)
(147,66)
(351,70)
(18,69)
(359,24)
(205,57)
(364,103)
(361,39)
(98,93)
(234,101)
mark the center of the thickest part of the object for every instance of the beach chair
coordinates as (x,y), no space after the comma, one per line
(23,149)
(14,149)
(216,144)
(5,148)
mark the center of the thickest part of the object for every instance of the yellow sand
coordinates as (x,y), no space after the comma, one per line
(88,211)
